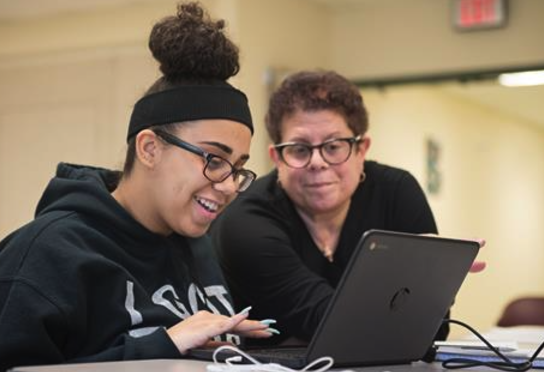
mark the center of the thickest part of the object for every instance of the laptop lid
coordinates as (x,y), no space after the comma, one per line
(392,298)
(388,305)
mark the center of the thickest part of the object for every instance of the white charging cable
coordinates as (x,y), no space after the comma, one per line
(232,364)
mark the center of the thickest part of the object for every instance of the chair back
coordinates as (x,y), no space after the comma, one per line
(523,311)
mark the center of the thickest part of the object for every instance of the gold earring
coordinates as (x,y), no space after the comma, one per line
(363,177)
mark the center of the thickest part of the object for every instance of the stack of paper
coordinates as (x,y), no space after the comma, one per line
(521,334)
(477,347)
(477,350)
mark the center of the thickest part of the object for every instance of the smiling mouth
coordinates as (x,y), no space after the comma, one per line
(208,205)
(316,185)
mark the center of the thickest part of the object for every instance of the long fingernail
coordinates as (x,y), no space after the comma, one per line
(267,321)
(245,311)
(273,330)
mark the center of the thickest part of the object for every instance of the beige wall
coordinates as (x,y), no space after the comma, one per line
(73,108)
(397,38)
(109,27)
(67,84)
(492,177)
(275,38)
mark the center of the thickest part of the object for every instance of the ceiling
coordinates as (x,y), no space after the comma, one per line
(525,102)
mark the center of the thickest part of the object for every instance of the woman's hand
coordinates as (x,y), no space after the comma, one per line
(200,328)
(255,328)
(478,266)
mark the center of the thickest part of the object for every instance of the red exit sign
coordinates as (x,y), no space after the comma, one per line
(479,14)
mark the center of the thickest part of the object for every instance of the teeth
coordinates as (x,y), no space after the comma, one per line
(208,205)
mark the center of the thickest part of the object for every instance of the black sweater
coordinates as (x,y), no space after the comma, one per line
(85,281)
(271,262)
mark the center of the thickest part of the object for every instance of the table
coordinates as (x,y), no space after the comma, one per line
(183,365)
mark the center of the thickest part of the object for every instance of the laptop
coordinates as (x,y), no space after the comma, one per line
(388,305)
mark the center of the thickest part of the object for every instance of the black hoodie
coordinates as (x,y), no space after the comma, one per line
(84,281)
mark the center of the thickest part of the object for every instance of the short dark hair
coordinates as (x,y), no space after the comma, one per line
(312,91)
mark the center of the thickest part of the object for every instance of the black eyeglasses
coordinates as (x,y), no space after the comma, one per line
(216,168)
(334,151)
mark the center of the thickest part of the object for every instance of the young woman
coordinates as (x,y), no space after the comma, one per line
(115,265)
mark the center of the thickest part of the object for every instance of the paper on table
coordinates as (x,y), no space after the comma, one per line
(527,337)
(520,334)
(478,345)
(478,348)
(442,357)
(475,345)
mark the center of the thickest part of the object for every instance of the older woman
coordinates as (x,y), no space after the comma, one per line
(285,243)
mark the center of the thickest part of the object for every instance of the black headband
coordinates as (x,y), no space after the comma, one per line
(191,102)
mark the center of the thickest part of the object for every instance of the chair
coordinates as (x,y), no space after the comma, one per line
(523,311)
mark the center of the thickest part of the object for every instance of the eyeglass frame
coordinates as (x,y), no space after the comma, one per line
(351,140)
(207,156)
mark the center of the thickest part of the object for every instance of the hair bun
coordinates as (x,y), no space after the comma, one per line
(191,46)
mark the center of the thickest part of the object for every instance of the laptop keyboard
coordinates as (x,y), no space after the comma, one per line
(279,355)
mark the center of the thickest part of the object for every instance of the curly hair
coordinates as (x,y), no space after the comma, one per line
(191,48)
(313,91)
